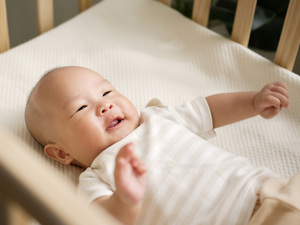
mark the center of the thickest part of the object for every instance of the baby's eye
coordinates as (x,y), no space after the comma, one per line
(81,108)
(106,93)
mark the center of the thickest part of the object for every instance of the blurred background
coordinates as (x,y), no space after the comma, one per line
(266,28)
(22,17)
(268,21)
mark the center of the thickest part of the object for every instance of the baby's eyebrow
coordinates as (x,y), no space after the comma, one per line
(70,101)
(106,81)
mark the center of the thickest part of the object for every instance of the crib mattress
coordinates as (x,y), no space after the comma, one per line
(147,50)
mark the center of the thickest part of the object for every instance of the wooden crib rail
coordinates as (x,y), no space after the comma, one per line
(290,37)
(44,15)
(243,21)
(287,48)
(4,37)
(85,4)
(45,18)
(43,193)
(201,11)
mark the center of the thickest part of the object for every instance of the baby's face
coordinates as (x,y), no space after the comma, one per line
(89,114)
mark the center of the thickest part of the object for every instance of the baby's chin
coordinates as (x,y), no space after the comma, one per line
(124,133)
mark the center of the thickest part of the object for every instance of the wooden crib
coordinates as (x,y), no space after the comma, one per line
(285,55)
(40,195)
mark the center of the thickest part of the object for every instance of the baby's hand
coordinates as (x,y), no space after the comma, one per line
(269,101)
(130,175)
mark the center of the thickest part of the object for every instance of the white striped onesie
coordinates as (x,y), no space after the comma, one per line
(190,181)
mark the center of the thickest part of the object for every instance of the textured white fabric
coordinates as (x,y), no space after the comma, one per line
(147,49)
(190,181)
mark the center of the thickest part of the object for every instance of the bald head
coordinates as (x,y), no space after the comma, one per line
(36,117)
(40,110)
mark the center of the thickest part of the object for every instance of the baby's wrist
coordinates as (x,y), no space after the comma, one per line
(254,103)
(127,200)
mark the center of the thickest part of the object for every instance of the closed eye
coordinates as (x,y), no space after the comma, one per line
(81,108)
(106,93)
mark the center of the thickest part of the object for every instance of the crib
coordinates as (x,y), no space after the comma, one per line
(136,46)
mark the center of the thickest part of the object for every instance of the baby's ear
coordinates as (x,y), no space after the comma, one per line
(53,151)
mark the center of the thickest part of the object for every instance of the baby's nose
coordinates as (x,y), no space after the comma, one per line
(104,108)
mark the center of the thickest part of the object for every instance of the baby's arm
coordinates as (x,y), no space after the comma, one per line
(228,108)
(130,180)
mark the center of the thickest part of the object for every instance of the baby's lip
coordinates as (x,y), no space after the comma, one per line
(116,122)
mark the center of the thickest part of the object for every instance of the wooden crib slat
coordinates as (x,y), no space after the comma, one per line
(167,2)
(201,11)
(44,15)
(85,4)
(4,35)
(243,21)
(290,37)
(42,191)
(16,214)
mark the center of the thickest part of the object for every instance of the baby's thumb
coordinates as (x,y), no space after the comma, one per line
(127,151)
(270,112)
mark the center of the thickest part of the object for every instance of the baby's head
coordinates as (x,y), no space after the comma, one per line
(75,114)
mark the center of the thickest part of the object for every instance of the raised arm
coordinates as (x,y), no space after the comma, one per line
(229,108)
(130,179)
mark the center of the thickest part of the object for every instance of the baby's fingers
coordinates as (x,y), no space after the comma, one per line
(280,91)
(282,100)
(127,151)
(279,84)
(272,105)
(280,88)
(139,165)
(277,95)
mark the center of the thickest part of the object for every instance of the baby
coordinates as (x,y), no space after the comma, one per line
(81,119)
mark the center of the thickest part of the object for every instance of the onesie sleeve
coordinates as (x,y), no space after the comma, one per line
(207,130)
(195,115)
(92,187)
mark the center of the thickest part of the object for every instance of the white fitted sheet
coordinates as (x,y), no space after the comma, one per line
(147,49)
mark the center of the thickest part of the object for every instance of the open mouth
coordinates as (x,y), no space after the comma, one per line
(115,123)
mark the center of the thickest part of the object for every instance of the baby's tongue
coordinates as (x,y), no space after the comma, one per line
(113,123)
